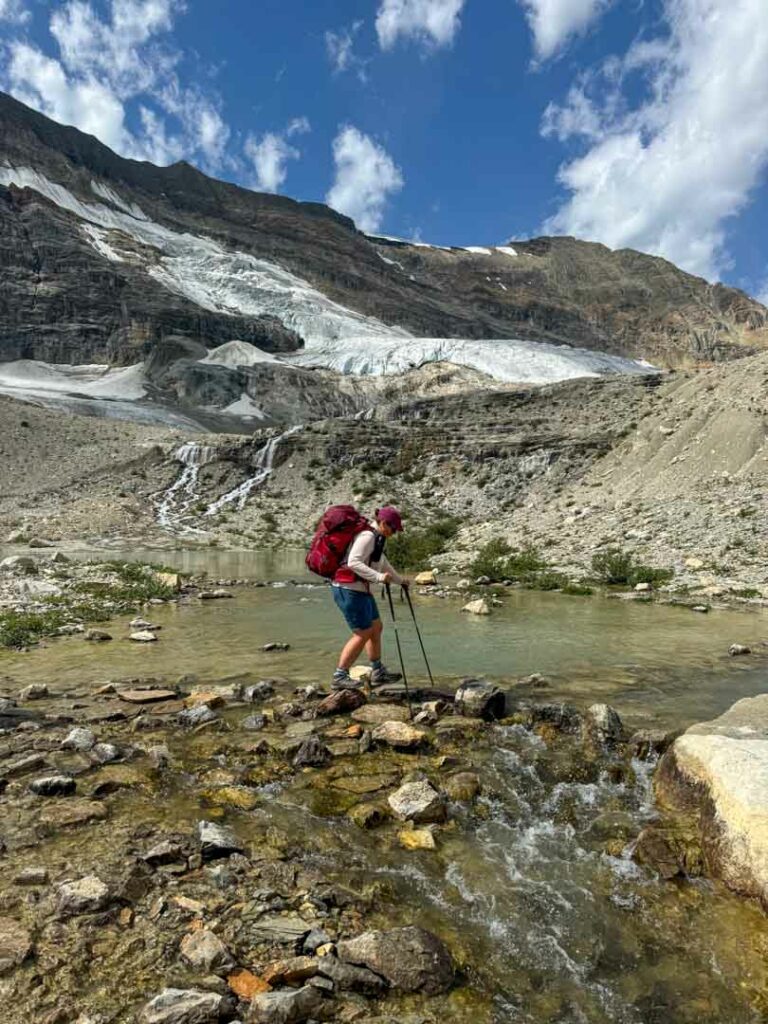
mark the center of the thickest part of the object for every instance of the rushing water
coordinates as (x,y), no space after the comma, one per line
(552,929)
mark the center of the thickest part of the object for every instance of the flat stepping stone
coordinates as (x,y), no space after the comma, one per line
(376,714)
(71,813)
(285,929)
(146,696)
(301,730)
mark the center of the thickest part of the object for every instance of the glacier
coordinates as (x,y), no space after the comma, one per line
(335,337)
(524,362)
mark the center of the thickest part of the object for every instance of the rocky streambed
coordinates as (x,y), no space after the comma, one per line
(186,851)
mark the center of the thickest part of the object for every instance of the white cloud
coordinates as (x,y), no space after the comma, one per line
(665,175)
(103,65)
(41,82)
(340,47)
(430,22)
(203,126)
(554,22)
(14,11)
(366,176)
(115,50)
(271,153)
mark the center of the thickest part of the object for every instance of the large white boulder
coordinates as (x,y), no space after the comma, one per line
(718,770)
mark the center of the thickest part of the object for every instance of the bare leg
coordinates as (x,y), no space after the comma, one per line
(373,646)
(353,647)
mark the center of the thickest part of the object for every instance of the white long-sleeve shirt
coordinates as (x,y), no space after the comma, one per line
(359,561)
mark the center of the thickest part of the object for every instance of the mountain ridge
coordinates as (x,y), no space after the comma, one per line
(64,299)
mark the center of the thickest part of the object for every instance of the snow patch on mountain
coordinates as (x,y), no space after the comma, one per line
(99,239)
(105,192)
(237,353)
(335,337)
(245,407)
(512,361)
(90,381)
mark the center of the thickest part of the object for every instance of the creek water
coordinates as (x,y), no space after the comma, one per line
(550,928)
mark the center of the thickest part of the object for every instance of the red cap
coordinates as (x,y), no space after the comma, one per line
(391,517)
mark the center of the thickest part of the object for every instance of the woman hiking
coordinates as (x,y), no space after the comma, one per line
(364,564)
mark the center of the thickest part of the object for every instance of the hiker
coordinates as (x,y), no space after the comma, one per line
(364,564)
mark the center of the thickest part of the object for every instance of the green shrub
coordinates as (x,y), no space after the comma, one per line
(616,567)
(650,574)
(498,561)
(413,549)
(17,629)
(545,581)
(612,566)
(746,592)
(578,589)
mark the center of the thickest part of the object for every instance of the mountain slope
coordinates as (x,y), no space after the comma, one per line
(102,257)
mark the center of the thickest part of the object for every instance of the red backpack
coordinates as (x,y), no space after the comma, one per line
(335,532)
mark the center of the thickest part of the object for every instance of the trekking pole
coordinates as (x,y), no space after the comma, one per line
(418,634)
(399,650)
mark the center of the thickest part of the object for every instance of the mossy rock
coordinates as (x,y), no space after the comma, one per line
(231,796)
(369,815)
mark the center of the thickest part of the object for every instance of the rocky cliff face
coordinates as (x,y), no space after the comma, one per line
(154,251)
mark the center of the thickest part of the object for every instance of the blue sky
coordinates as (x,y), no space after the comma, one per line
(641,124)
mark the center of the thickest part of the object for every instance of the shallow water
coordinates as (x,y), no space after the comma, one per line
(549,928)
(658,664)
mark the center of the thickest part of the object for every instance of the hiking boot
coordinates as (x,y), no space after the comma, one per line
(343,681)
(382,676)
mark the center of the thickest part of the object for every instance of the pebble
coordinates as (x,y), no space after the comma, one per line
(204,951)
(290,1006)
(84,896)
(164,852)
(183,1006)
(253,723)
(417,839)
(199,715)
(259,691)
(735,650)
(53,785)
(97,635)
(312,753)
(148,696)
(418,801)
(143,636)
(316,938)
(399,735)
(35,691)
(32,877)
(79,739)
(217,840)
(105,753)
(247,985)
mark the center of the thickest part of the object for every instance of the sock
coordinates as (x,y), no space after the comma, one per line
(341,673)
(376,665)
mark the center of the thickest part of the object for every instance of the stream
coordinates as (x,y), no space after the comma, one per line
(547,925)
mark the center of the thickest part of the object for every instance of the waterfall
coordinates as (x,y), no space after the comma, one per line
(264,462)
(180,496)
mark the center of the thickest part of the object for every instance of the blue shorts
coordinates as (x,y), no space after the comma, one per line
(358,609)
